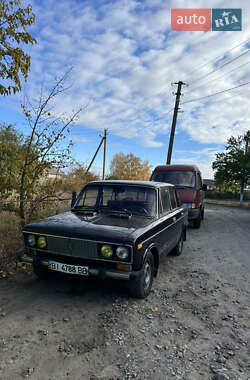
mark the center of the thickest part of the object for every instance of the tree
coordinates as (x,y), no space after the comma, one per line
(13,60)
(76,178)
(44,147)
(10,155)
(129,167)
(27,161)
(233,166)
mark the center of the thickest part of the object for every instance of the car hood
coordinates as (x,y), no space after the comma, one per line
(99,227)
(186,195)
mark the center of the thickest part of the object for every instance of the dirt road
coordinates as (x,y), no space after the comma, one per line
(194,325)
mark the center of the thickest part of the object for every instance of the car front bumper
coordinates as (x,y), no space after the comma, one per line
(103,273)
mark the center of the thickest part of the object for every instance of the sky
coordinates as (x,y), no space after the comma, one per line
(126,59)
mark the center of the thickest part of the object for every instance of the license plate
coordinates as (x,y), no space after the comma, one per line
(68,268)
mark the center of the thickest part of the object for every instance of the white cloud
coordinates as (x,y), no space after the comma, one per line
(80,140)
(125,57)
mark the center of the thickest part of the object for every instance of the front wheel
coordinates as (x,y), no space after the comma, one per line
(202,214)
(197,221)
(140,286)
(41,272)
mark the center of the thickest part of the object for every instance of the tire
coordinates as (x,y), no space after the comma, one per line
(177,251)
(202,214)
(197,221)
(140,286)
(41,272)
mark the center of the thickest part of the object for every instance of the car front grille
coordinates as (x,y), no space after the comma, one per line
(73,247)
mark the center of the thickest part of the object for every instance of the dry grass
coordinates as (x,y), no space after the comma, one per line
(11,240)
(10,237)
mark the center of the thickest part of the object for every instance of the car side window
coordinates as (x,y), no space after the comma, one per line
(177,199)
(164,201)
(172,198)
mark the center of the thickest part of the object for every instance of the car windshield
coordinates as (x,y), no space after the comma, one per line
(118,198)
(177,178)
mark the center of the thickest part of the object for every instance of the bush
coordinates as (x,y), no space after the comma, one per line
(227,195)
(11,239)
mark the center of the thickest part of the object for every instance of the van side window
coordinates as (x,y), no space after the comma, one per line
(164,201)
(173,198)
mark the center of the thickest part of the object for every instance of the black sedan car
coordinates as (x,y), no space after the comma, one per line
(115,229)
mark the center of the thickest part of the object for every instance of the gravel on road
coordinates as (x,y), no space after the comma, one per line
(195,324)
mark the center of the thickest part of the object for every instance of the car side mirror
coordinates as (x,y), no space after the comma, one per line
(204,187)
(73,199)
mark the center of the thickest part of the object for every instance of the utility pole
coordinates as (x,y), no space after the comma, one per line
(93,159)
(104,152)
(176,108)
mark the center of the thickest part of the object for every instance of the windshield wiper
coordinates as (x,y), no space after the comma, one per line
(84,209)
(117,210)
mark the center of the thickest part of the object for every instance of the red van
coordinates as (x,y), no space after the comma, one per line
(188,182)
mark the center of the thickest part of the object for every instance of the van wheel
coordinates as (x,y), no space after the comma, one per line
(177,251)
(140,286)
(197,221)
(202,214)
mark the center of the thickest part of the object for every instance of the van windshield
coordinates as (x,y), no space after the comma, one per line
(178,178)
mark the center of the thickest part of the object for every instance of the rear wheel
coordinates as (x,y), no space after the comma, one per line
(140,286)
(177,251)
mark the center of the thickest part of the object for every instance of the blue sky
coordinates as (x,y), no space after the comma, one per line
(125,57)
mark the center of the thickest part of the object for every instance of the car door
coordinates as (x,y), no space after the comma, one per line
(167,233)
(176,216)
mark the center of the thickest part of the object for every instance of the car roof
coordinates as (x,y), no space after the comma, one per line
(177,167)
(132,183)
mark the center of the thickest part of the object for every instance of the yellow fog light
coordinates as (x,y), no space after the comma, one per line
(106,251)
(41,242)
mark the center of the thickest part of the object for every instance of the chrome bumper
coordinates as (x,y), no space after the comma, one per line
(97,272)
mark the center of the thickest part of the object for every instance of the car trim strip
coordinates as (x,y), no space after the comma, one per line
(162,230)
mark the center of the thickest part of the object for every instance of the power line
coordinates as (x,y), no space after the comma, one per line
(218,57)
(225,74)
(216,93)
(218,68)
(226,98)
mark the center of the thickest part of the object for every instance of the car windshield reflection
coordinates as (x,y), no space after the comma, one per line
(137,200)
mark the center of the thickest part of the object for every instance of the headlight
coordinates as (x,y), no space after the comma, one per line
(107,251)
(122,253)
(31,240)
(41,242)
